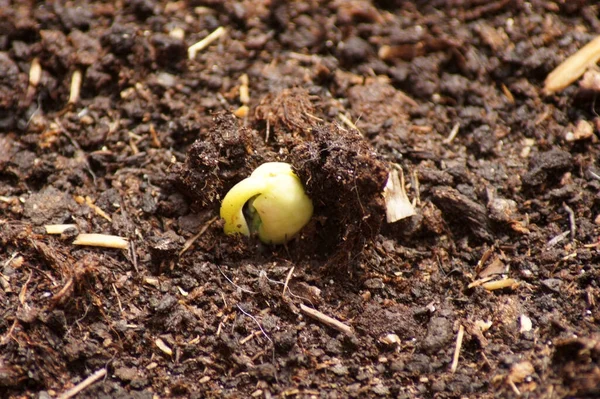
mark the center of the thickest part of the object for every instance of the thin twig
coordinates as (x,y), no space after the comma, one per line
(202,44)
(329,321)
(191,241)
(75,86)
(459,339)
(572,226)
(287,280)
(83,384)
(453,133)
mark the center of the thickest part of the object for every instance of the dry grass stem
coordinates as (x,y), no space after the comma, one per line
(83,384)
(191,241)
(459,340)
(573,67)
(557,239)
(348,122)
(329,321)
(155,140)
(75,86)
(500,284)
(202,44)
(287,280)
(453,133)
(101,240)
(58,228)
(244,89)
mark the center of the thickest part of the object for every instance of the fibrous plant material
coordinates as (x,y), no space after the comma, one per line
(397,204)
(573,67)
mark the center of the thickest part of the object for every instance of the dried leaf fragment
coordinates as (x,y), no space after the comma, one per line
(582,131)
(390,339)
(397,204)
(526,324)
(520,371)
(573,67)
(163,347)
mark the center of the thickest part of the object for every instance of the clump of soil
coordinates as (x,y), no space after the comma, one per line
(215,163)
(343,175)
(345,178)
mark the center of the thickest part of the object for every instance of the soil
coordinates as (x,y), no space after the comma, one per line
(490,290)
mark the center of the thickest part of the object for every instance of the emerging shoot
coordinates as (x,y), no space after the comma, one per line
(271,202)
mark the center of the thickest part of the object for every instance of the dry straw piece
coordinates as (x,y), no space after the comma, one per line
(329,321)
(101,240)
(204,43)
(573,67)
(58,228)
(75,86)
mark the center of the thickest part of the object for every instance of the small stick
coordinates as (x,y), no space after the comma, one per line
(118,298)
(287,280)
(453,133)
(416,187)
(75,86)
(202,44)
(348,122)
(155,140)
(573,67)
(101,240)
(329,321)
(191,241)
(83,384)
(99,211)
(480,281)
(249,337)
(512,385)
(459,339)
(572,226)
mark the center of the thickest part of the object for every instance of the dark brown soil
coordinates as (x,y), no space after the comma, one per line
(152,145)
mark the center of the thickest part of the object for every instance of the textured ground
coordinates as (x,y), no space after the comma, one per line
(504,178)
